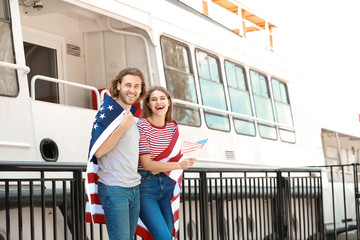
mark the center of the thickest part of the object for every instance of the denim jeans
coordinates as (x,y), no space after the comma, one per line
(121,206)
(155,211)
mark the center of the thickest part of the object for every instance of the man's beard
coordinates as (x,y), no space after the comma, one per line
(123,99)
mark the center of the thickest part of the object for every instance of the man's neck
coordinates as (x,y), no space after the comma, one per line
(122,104)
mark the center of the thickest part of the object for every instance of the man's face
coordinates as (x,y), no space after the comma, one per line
(129,89)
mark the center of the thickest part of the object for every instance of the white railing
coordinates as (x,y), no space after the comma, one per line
(182,102)
(25,69)
(55,80)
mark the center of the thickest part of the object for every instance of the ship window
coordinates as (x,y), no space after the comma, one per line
(9,85)
(263,104)
(42,61)
(239,98)
(180,80)
(212,91)
(283,109)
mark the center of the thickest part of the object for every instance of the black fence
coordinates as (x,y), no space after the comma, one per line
(252,204)
(342,220)
(46,201)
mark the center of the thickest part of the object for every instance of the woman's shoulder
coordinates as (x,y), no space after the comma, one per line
(172,124)
(143,122)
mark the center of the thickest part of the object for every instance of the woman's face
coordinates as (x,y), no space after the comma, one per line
(158,103)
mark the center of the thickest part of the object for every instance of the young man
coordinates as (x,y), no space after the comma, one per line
(114,150)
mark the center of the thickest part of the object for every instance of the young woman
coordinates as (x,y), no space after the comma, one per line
(159,156)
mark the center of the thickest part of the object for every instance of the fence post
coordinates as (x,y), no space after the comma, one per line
(79,206)
(203,206)
(280,206)
(357,197)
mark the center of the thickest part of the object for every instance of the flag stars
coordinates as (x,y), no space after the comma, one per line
(110,107)
(95,126)
(101,108)
(102,116)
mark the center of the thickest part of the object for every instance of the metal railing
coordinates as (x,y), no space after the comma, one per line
(55,80)
(343,199)
(25,69)
(47,200)
(254,203)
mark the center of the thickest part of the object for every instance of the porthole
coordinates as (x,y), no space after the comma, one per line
(49,150)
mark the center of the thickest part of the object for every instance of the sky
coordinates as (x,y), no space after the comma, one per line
(321,39)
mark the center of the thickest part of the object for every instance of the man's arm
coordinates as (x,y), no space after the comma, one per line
(113,139)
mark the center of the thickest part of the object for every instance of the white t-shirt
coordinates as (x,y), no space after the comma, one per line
(119,167)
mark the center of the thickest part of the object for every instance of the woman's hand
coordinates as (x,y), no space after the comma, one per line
(187,163)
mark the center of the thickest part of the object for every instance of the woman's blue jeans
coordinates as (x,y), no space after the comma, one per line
(121,206)
(155,207)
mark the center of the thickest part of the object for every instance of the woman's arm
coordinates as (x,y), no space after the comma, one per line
(155,166)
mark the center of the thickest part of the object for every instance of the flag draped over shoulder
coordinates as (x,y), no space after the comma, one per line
(174,153)
(107,120)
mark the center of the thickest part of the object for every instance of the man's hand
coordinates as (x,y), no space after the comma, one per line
(128,119)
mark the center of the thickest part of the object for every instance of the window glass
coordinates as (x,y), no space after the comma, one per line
(183,59)
(259,84)
(2,9)
(214,69)
(203,65)
(267,131)
(283,110)
(239,98)
(240,75)
(213,94)
(244,126)
(169,52)
(282,104)
(8,79)
(263,104)
(212,91)
(42,61)
(240,101)
(180,80)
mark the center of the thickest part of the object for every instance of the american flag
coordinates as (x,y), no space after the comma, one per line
(107,120)
(187,147)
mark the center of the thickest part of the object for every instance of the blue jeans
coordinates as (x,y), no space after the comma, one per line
(155,211)
(121,206)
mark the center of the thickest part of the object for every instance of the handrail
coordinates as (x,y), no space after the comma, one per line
(105,91)
(55,80)
(58,166)
(25,69)
(182,102)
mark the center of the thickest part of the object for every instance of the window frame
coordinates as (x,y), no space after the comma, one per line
(8,20)
(248,90)
(289,104)
(269,97)
(166,67)
(221,81)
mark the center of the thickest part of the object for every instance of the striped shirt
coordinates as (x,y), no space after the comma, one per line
(154,140)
